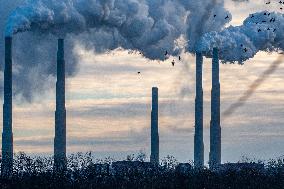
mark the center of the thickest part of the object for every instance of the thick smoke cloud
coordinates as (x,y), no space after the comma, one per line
(210,17)
(149,26)
(34,56)
(261,31)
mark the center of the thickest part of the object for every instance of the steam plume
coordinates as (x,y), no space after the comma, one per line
(203,20)
(260,32)
(149,26)
(146,26)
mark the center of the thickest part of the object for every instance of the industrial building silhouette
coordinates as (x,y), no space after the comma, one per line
(60,115)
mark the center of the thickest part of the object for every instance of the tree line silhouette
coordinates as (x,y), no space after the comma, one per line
(85,172)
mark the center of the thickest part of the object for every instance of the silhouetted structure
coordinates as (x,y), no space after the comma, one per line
(215,128)
(198,135)
(154,158)
(7,135)
(60,113)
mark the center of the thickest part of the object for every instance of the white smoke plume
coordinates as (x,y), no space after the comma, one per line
(210,17)
(262,31)
(148,26)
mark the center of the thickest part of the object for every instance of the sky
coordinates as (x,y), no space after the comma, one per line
(109,105)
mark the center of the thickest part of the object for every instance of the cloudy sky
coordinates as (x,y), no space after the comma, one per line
(108,104)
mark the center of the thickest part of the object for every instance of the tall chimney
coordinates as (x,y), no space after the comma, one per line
(198,136)
(60,113)
(7,135)
(154,158)
(215,128)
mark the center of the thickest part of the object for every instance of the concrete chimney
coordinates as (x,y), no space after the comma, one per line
(215,128)
(154,158)
(7,135)
(198,135)
(60,113)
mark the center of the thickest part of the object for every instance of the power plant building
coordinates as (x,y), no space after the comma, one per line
(154,158)
(215,128)
(60,113)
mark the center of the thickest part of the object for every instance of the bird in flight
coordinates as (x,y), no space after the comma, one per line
(166,53)
(138,73)
(227,17)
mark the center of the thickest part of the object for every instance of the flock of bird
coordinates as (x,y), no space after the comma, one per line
(280,2)
(272,20)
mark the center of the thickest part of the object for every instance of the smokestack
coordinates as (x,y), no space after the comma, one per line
(154,158)
(198,136)
(215,128)
(7,135)
(60,113)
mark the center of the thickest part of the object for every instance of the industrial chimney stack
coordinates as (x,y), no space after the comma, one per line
(198,136)
(60,113)
(154,158)
(215,128)
(7,135)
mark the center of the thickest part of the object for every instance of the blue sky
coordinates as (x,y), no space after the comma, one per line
(108,106)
